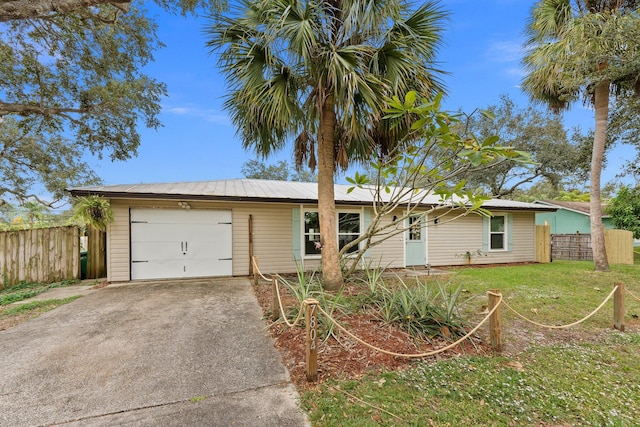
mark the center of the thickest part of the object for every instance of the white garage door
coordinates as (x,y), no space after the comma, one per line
(173,243)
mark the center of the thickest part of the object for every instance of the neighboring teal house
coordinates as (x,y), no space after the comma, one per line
(570,218)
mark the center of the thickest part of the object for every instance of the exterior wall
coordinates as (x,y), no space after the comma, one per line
(273,238)
(118,239)
(447,242)
(568,222)
(389,253)
(272,235)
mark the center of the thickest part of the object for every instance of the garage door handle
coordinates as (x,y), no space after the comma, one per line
(138,261)
(225,259)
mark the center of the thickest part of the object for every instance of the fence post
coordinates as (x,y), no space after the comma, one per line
(254,260)
(312,340)
(495,321)
(618,308)
(275,304)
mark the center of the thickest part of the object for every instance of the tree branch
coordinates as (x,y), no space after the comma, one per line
(23,109)
(11,10)
(22,196)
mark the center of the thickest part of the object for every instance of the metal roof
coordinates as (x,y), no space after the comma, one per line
(267,191)
(583,208)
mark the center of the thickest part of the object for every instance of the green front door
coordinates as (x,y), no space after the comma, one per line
(416,241)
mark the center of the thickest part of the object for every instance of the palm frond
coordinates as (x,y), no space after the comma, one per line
(284,58)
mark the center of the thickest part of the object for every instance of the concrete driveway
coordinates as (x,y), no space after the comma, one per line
(165,353)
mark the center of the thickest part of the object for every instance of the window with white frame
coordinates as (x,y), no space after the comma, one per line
(348,230)
(311,233)
(498,233)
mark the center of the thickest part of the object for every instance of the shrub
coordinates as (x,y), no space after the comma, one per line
(424,310)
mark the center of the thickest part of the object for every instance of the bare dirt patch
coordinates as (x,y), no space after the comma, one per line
(14,320)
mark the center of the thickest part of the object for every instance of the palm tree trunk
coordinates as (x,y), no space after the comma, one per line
(331,272)
(601,104)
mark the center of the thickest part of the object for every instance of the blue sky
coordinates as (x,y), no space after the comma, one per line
(482,51)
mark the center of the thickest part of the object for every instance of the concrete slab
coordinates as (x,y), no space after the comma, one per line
(159,353)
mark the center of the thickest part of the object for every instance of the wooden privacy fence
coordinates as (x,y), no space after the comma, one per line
(577,247)
(619,246)
(43,255)
(96,254)
(543,243)
(574,247)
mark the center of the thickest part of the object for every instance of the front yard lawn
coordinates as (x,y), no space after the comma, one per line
(586,375)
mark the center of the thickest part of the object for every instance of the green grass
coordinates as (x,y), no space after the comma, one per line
(36,307)
(557,293)
(24,291)
(582,382)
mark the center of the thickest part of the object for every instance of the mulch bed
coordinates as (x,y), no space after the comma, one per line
(341,356)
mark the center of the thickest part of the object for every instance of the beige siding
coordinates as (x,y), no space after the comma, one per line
(272,229)
(273,236)
(118,243)
(446,240)
(390,252)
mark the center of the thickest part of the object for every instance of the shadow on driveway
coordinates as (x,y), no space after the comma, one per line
(154,353)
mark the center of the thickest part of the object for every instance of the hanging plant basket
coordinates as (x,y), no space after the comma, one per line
(94,211)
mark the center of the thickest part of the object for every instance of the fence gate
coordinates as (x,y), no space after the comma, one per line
(574,247)
(577,247)
(543,243)
(96,253)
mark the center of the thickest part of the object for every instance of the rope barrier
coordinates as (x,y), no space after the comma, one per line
(309,301)
(634,296)
(410,356)
(342,328)
(563,326)
(255,266)
(282,313)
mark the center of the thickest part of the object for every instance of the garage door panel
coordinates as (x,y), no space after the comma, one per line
(155,233)
(168,243)
(202,267)
(156,269)
(145,251)
(202,250)
(180,216)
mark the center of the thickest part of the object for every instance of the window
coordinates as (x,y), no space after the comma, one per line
(348,229)
(415,228)
(497,233)
(311,233)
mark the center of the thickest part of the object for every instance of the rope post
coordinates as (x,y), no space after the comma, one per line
(495,321)
(312,339)
(618,308)
(256,273)
(275,303)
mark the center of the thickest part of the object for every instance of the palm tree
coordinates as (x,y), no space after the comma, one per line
(316,72)
(587,49)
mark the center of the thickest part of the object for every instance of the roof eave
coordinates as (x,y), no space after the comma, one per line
(205,197)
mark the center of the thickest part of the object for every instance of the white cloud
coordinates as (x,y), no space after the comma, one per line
(505,51)
(515,71)
(206,114)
